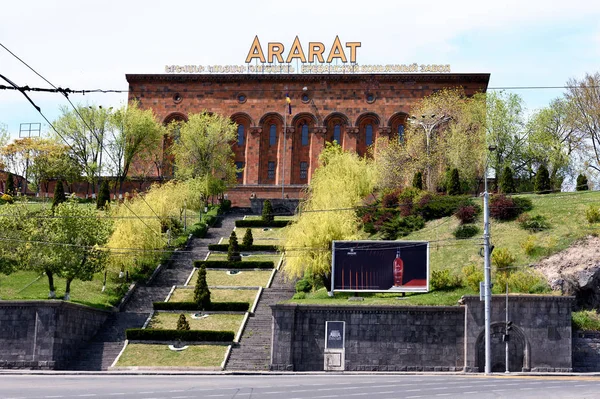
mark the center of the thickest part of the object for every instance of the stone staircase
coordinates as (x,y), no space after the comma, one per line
(253,353)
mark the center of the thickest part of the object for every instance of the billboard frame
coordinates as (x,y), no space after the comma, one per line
(404,289)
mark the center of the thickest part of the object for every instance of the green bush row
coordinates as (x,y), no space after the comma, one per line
(198,230)
(223,264)
(214,306)
(260,223)
(248,248)
(139,334)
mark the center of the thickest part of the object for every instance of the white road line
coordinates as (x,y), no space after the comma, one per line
(470,392)
(442,394)
(411,397)
(413,390)
(116,393)
(525,389)
(55,396)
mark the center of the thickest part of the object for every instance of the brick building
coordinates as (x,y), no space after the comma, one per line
(353,109)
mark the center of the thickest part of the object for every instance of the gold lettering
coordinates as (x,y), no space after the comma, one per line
(296,52)
(353,46)
(275,50)
(315,48)
(255,51)
(337,51)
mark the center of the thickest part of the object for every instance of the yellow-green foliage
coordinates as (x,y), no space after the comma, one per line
(525,281)
(473,274)
(592,214)
(529,245)
(341,182)
(503,259)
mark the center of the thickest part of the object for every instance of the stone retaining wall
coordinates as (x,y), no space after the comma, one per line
(586,351)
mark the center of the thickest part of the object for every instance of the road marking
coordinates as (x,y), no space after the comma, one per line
(87,394)
(442,394)
(470,392)
(116,393)
(413,390)
(525,389)
(411,397)
(55,396)
(177,390)
(181,397)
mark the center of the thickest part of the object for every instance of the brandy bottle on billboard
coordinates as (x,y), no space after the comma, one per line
(398,269)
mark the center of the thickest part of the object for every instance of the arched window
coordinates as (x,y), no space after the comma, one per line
(273,135)
(401,133)
(369,135)
(304,134)
(337,134)
(240,132)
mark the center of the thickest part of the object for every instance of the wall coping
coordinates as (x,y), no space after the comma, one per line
(520,298)
(368,309)
(50,303)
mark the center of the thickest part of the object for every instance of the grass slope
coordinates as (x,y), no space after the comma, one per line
(214,322)
(216,295)
(161,356)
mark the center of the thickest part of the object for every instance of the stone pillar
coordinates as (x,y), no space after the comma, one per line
(286,137)
(252,156)
(350,138)
(317,144)
(382,132)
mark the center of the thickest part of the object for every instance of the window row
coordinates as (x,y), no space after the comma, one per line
(271,167)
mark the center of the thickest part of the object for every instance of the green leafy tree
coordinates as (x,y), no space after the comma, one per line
(454,183)
(507,182)
(59,194)
(248,240)
(233,251)
(13,222)
(10,184)
(542,181)
(182,323)
(582,183)
(201,291)
(267,212)
(417,181)
(103,195)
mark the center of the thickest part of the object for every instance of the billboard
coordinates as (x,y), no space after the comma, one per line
(380,266)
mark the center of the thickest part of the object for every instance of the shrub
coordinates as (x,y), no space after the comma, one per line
(467,213)
(179,242)
(582,183)
(248,239)
(586,320)
(432,206)
(10,184)
(210,220)
(299,295)
(390,199)
(225,205)
(443,279)
(592,214)
(503,259)
(149,334)
(529,245)
(453,187)
(522,204)
(303,286)
(182,323)
(261,223)
(233,251)
(214,306)
(401,226)
(542,181)
(533,223)
(223,264)
(473,275)
(59,194)
(244,248)
(6,199)
(465,231)
(418,181)
(527,282)
(267,212)
(507,182)
(103,195)
(198,230)
(503,208)
(201,291)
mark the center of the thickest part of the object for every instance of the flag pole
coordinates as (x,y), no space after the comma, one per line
(284,148)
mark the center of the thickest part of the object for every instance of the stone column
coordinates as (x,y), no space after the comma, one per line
(252,156)
(317,144)
(350,138)
(287,137)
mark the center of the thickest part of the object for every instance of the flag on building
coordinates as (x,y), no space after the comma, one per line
(288,100)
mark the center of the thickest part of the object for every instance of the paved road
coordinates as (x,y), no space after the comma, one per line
(318,386)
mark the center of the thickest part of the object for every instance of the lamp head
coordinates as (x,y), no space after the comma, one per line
(492,148)
(305,88)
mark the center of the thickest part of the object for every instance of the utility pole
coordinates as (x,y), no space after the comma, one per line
(487,269)
(506,336)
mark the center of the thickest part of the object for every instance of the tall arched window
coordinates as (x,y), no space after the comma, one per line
(401,133)
(273,135)
(304,134)
(337,134)
(240,132)
(369,135)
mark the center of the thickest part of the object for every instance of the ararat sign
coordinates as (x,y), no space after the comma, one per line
(275,51)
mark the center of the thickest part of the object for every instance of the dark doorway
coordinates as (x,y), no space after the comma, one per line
(516,350)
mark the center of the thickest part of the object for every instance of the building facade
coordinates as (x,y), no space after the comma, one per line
(277,148)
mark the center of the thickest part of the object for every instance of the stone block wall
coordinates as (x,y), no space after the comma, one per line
(586,351)
(44,334)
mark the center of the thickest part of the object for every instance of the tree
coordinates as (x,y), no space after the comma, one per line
(103,195)
(182,323)
(13,221)
(233,251)
(418,180)
(248,240)
(542,181)
(507,182)
(454,183)
(582,183)
(267,212)
(59,194)
(10,184)
(201,291)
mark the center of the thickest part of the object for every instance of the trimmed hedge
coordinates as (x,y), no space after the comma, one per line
(259,223)
(223,264)
(198,230)
(214,306)
(139,334)
(247,248)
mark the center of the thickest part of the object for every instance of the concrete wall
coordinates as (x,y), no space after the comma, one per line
(392,338)
(586,351)
(44,334)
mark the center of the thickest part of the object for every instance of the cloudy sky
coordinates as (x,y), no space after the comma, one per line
(93,44)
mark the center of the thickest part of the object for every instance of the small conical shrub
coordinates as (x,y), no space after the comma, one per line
(507,182)
(248,240)
(233,251)
(418,181)
(542,181)
(182,323)
(267,212)
(454,183)
(103,195)
(59,194)
(201,291)
(10,184)
(582,183)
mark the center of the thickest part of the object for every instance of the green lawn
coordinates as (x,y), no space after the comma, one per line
(26,285)
(251,257)
(245,278)
(214,322)
(162,356)
(216,295)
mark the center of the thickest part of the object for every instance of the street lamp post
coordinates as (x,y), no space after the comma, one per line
(487,269)
(428,123)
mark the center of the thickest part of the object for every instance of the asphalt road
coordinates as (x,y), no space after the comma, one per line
(325,386)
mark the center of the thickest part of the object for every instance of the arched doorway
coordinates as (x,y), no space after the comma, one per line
(518,350)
